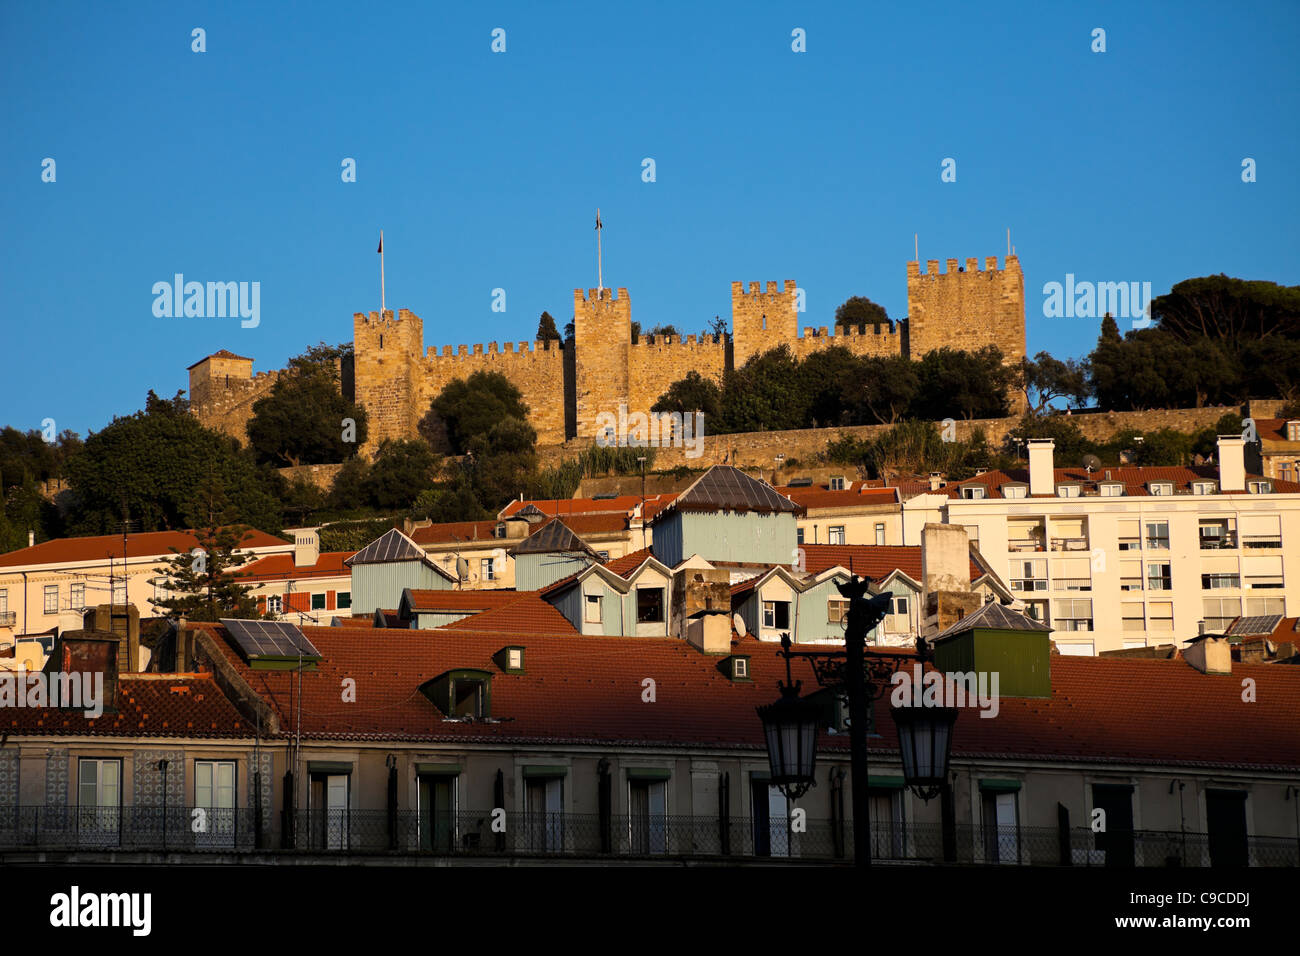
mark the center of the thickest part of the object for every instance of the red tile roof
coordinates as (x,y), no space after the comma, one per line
(223,353)
(145,545)
(280,567)
(588,690)
(872,560)
(451,532)
(424,600)
(149,705)
(856,496)
(629,562)
(527,614)
(566,507)
(1273,430)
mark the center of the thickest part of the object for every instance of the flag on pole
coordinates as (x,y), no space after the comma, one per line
(597,218)
(380,250)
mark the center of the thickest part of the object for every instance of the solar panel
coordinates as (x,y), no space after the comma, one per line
(261,639)
(1261,624)
(800,483)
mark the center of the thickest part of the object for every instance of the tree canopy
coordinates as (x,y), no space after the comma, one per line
(306,419)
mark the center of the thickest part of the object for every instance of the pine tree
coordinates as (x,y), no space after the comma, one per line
(202,582)
(546,331)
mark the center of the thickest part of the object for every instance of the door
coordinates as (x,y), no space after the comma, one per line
(329,811)
(437,813)
(544,807)
(648,816)
(1225,817)
(1001,828)
(99,801)
(214,793)
(1117,839)
(886,807)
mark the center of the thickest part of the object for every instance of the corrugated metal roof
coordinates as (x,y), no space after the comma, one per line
(553,536)
(724,488)
(994,615)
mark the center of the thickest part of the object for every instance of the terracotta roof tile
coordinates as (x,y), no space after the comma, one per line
(143,545)
(280,567)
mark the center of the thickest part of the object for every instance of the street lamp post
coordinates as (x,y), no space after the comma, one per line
(790,724)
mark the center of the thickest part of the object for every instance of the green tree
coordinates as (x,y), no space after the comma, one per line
(880,390)
(689,395)
(455,503)
(467,407)
(203,582)
(766,394)
(402,469)
(1044,378)
(546,331)
(824,374)
(1228,310)
(966,384)
(306,419)
(858,311)
(151,466)
(1071,443)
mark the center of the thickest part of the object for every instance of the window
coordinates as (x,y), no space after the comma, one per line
(776,614)
(1259,607)
(487,569)
(1001,826)
(594,605)
(1029,575)
(1260,487)
(544,814)
(1214,582)
(888,834)
(274,604)
(739,667)
(973,493)
(1073,614)
(837,483)
(1263,572)
(515,659)
(1129,531)
(1160,488)
(437,811)
(119,592)
(318,602)
(77,595)
(500,530)
(837,610)
(51,599)
(1158,577)
(1076,648)
(1220,612)
(1261,531)
(99,800)
(1203,488)
(798,535)
(1293,431)
(1130,575)
(1110,490)
(1216,534)
(900,606)
(649,605)
(1014,491)
(1067,491)
(1158,535)
(214,791)
(603,555)
(4,600)
(1160,615)
(880,532)
(1133,616)
(468,697)
(1036,610)
(345,600)
(648,815)
(836,535)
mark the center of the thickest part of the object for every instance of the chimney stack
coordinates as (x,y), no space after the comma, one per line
(1232,463)
(1210,654)
(945,576)
(31,539)
(1042,475)
(306,548)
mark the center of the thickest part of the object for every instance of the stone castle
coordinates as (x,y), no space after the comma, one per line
(394,378)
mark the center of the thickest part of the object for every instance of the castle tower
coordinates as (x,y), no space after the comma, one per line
(762,320)
(602,334)
(217,375)
(966,307)
(387,351)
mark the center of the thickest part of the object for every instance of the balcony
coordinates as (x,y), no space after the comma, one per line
(1069,544)
(8,618)
(1261,541)
(1024,544)
(1073,584)
(1029,584)
(1219,542)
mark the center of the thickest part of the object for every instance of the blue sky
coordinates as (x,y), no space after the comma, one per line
(484,170)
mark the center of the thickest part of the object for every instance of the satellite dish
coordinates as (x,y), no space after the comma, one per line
(738,623)
(462,569)
(1091,463)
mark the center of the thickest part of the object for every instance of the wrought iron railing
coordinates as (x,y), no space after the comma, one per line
(636,837)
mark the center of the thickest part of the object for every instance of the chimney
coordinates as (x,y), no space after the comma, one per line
(936,480)
(696,591)
(306,548)
(945,576)
(1042,477)
(1232,463)
(31,539)
(1210,654)
(710,632)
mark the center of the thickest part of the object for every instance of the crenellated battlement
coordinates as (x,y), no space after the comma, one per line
(566,385)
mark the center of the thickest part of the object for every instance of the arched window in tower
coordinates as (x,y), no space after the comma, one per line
(764,321)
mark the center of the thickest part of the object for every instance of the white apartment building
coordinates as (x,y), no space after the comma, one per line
(1130,557)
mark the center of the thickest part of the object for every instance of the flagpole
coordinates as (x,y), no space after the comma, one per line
(382,304)
(600,279)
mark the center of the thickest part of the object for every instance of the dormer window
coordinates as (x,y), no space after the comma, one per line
(510,659)
(1067,491)
(1014,491)
(500,530)
(1110,490)
(461,694)
(1293,431)
(1203,488)
(1160,487)
(837,483)
(974,492)
(1260,487)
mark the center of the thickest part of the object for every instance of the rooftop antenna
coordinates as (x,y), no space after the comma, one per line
(600,279)
(382,306)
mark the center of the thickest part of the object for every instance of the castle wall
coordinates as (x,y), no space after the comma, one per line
(966,309)
(652,367)
(222,393)
(762,319)
(386,353)
(876,341)
(602,335)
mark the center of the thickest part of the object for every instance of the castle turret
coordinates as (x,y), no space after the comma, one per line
(966,308)
(387,350)
(602,334)
(762,320)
